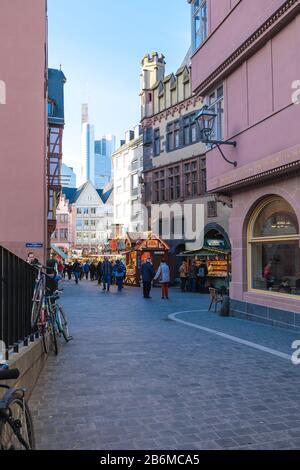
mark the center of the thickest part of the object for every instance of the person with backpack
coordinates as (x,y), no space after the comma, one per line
(202,275)
(163,276)
(119,272)
(86,270)
(106,274)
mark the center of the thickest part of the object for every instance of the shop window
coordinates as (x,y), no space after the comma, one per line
(273,248)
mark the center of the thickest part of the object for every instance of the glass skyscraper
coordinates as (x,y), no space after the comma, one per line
(96,155)
(104,149)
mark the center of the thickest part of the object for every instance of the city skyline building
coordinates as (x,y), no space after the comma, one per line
(104,149)
(68,176)
(87,147)
(96,164)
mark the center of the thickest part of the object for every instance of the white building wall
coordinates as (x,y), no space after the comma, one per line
(127,168)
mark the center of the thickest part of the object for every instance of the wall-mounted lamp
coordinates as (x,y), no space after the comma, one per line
(206,121)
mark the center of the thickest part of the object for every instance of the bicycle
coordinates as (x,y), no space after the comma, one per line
(38,294)
(16,425)
(47,315)
(56,319)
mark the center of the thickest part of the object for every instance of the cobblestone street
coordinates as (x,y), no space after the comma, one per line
(135,379)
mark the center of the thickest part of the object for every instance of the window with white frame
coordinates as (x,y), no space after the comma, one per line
(215,102)
(134,181)
(200,23)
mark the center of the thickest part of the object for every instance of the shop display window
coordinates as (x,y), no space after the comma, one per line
(273,248)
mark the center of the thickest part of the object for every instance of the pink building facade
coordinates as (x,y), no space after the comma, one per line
(246,66)
(23,126)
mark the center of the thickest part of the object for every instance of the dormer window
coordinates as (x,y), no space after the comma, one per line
(200,22)
(50,107)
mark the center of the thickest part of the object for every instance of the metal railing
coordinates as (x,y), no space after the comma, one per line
(16,292)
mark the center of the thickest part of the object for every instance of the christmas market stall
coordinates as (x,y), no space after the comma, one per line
(218,263)
(143,246)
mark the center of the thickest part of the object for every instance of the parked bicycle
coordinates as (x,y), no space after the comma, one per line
(47,314)
(56,320)
(16,426)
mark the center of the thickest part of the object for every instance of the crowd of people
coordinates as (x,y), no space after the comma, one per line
(193,277)
(104,272)
(108,273)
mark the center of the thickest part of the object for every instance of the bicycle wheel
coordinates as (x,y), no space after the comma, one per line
(53,333)
(19,435)
(64,327)
(43,333)
(37,301)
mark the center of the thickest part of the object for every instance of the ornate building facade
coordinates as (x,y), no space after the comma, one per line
(254,75)
(174,159)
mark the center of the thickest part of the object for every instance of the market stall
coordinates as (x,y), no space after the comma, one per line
(140,250)
(218,263)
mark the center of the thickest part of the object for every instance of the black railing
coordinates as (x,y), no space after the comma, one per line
(16,291)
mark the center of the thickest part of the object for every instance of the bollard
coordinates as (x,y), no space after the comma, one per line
(225,309)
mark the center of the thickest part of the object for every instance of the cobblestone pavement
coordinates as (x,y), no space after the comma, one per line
(133,379)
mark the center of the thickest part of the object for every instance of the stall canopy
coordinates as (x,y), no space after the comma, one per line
(205,251)
(59,252)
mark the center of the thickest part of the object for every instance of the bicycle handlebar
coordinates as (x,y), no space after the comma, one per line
(9,374)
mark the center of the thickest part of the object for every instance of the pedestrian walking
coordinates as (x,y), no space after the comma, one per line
(65,271)
(163,276)
(92,271)
(183,273)
(148,274)
(193,277)
(69,271)
(119,272)
(99,272)
(86,269)
(60,269)
(76,270)
(202,275)
(106,274)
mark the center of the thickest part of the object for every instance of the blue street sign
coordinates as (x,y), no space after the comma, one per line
(34,245)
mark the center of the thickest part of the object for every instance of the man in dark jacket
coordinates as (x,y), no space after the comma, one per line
(106,274)
(76,270)
(92,271)
(99,272)
(148,275)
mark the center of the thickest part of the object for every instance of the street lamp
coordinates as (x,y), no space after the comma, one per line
(206,121)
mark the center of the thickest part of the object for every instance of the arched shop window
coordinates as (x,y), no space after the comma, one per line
(273,248)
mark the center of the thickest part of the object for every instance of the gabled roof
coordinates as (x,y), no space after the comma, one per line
(105,195)
(72,194)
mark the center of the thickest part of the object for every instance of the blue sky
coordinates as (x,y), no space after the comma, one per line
(100,45)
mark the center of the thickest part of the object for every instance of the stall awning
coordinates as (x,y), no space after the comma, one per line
(205,251)
(59,252)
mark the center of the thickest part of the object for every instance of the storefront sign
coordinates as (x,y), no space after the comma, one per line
(152,244)
(215,243)
(34,245)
